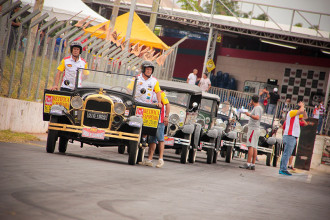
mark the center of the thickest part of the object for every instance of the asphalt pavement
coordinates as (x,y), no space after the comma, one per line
(97,183)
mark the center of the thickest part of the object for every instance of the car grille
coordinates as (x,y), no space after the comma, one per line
(100,107)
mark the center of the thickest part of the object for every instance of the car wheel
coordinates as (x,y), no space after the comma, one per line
(63,144)
(134,148)
(140,154)
(217,149)
(121,149)
(276,155)
(184,154)
(52,137)
(268,159)
(209,152)
(228,153)
(192,155)
(222,153)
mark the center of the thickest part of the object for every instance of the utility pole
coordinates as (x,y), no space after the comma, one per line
(153,16)
(113,18)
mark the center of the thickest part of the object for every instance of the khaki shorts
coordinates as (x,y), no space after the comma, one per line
(252,138)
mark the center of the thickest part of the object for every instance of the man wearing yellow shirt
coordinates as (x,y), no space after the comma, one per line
(163,121)
(69,66)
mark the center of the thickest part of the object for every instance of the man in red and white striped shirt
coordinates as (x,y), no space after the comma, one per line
(291,134)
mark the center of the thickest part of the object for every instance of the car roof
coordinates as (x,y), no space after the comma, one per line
(210,96)
(181,87)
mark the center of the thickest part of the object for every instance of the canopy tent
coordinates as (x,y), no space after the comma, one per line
(140,32)
(65,9)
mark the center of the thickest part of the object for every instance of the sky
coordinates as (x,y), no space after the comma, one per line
(284,16)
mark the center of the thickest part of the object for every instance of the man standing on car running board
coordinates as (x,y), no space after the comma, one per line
(253,133)
(291,134)
(146,87)
(163,121)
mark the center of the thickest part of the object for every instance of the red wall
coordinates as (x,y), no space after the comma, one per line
(191,55)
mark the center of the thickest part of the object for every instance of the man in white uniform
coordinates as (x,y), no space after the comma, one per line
(192,78)
(68,67)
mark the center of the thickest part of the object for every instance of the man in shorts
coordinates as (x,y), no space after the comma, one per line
(163,121)
(253,133)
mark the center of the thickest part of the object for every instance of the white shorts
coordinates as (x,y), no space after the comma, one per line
(252,138)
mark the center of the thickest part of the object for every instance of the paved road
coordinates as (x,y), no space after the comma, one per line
(97,183)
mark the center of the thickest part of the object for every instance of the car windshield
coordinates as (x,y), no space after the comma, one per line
(206,105)
(179,98)
(116,82)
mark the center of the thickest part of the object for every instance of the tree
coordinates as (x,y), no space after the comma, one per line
(220,8)
(298,25)
(186,6)
(316,27)
(246,15)
(262,17)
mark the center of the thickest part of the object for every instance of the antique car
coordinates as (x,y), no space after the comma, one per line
(101,111)
(210,136)
(228,120)
(185,100)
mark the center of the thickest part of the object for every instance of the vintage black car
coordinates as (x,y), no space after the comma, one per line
(101,111)
(185,101)
(210,133)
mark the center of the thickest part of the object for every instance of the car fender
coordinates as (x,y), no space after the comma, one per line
(135,121)
(188,129)
(197,134)
(271,141)
(232,135)
(213,133)
(220,130)
(58,110)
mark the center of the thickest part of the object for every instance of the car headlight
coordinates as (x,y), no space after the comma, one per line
(174,119)
(269,130)
(207,120)
(119,108)
(222,125)
(262,132)
(76,102)
(218,122)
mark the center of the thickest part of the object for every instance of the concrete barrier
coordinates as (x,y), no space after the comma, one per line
(21,116)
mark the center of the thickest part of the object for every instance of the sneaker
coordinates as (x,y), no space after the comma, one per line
(160,163)
(253,167)
(147,163)
(245,166)
(285,172)
(291,168)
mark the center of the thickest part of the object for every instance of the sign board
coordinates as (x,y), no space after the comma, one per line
(51,99)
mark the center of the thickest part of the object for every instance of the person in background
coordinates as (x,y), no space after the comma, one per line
(57,45)
(192,77)
(273,99)
(263,102)
(253,133)
(321,117)
(14,31)
(205,83)
(291,134)
(285,110)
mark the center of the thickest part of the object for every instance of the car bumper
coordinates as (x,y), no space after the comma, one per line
(206,145)
(107,133)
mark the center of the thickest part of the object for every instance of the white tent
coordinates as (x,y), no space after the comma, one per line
(65,9)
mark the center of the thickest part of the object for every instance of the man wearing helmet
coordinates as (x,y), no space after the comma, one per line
(146,87)
(69,66)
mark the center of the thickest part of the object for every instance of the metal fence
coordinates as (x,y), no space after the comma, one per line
(25,76)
